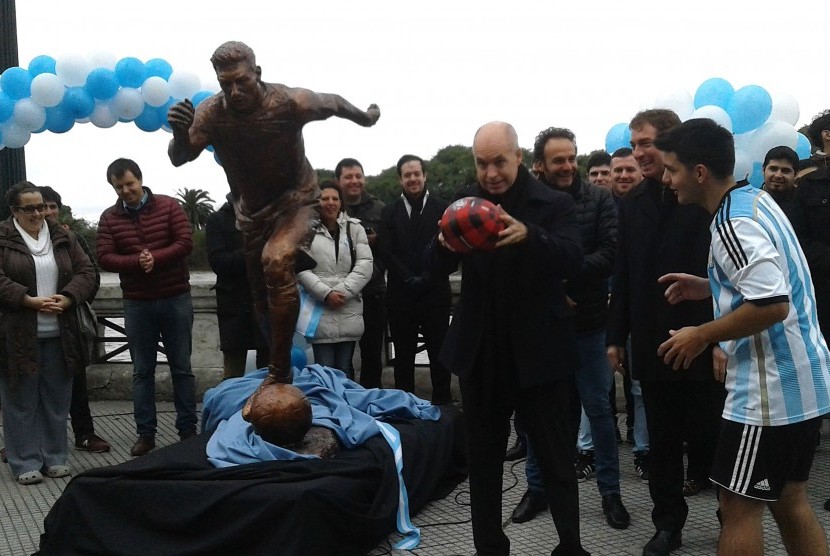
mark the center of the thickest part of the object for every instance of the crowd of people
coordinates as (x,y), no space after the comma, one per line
(705,295)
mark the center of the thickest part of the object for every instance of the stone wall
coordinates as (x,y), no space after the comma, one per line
(113,380)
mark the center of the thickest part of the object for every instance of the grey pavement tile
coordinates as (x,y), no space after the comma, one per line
(445,524)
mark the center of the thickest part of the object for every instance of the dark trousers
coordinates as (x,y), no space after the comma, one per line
(79,408)
(404,323)
(543,411)
(371,343)
(672,408)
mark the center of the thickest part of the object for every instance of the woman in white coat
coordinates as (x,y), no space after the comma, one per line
(344,266)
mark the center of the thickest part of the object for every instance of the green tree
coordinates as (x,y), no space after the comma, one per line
(197,205)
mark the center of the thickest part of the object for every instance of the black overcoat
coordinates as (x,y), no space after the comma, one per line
(533,315)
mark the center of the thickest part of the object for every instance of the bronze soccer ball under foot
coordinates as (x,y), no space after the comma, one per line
(280,413)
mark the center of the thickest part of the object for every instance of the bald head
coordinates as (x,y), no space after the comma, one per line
(497,130)
(497,156)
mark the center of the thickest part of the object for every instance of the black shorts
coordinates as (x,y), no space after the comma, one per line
(757,462)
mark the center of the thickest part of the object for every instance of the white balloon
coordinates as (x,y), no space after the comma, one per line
(743,142)
(28,115)
(743,165)
(103,115)
(184,84)
(47,90)
(155,91)
(127,103)
(15,136)
(784,109)
(73,69)
(715,113)
(103,59)
(772,134)
(680,101)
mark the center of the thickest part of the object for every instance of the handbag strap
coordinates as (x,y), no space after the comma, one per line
(351,243)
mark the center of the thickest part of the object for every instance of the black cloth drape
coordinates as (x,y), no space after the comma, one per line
(172,501)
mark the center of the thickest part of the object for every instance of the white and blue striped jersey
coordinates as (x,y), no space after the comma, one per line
(780,375)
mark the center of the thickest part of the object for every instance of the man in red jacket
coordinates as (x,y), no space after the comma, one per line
(146,239)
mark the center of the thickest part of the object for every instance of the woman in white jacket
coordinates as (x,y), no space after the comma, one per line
(344,266)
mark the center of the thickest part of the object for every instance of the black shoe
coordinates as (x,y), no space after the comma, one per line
(641,465)
(530,505)
(615,513)
(144,444)
(662,543)
(826,504)
(518,451)
(585,466)
(186,434)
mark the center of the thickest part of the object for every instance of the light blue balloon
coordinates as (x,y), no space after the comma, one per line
(151,118)
(298,357)
(58,120)
(130,72)
(617,137)
(16,82)
(749,107)
(200,96)
(803,148)
(756,178)
(715,91)
(102,83)
(6,107)
(158,68)
(42,64)
(78,103)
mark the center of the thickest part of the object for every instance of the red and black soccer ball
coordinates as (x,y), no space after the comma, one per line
(471,223)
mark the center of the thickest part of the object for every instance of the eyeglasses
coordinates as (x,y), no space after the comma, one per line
(30,209)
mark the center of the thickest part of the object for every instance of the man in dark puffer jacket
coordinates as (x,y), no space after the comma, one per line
(146,239)
(554,159)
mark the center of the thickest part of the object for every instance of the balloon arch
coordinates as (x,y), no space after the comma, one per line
(55,94)
(758,121)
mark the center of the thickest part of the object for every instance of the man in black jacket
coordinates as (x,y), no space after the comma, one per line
(511,342)
(657,236)
(554,159)
(238,330)
(359,204)
(415,298)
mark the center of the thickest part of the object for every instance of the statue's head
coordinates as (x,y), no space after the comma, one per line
(238,75)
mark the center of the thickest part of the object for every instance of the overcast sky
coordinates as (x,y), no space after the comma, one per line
(437,69)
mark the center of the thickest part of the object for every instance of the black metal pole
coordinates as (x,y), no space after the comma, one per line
(12,161)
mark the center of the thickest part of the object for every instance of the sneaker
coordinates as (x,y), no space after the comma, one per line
(641,465)
(30,478)
(585,468)
(92,443)
(57,471)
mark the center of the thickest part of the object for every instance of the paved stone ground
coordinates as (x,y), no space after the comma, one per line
(445,525)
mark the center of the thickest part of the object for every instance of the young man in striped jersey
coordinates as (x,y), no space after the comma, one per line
(777,375)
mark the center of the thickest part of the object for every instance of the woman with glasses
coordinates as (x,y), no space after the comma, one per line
(43,272)
(344,266)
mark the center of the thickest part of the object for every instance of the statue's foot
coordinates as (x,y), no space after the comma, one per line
(277,375)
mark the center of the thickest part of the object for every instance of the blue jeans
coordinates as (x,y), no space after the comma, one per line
(640,423)
(593,379)
(145,321)
(337,355)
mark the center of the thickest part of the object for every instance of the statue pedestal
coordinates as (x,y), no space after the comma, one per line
(319,441)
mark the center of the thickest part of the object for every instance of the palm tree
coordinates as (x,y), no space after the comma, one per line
(197,205)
